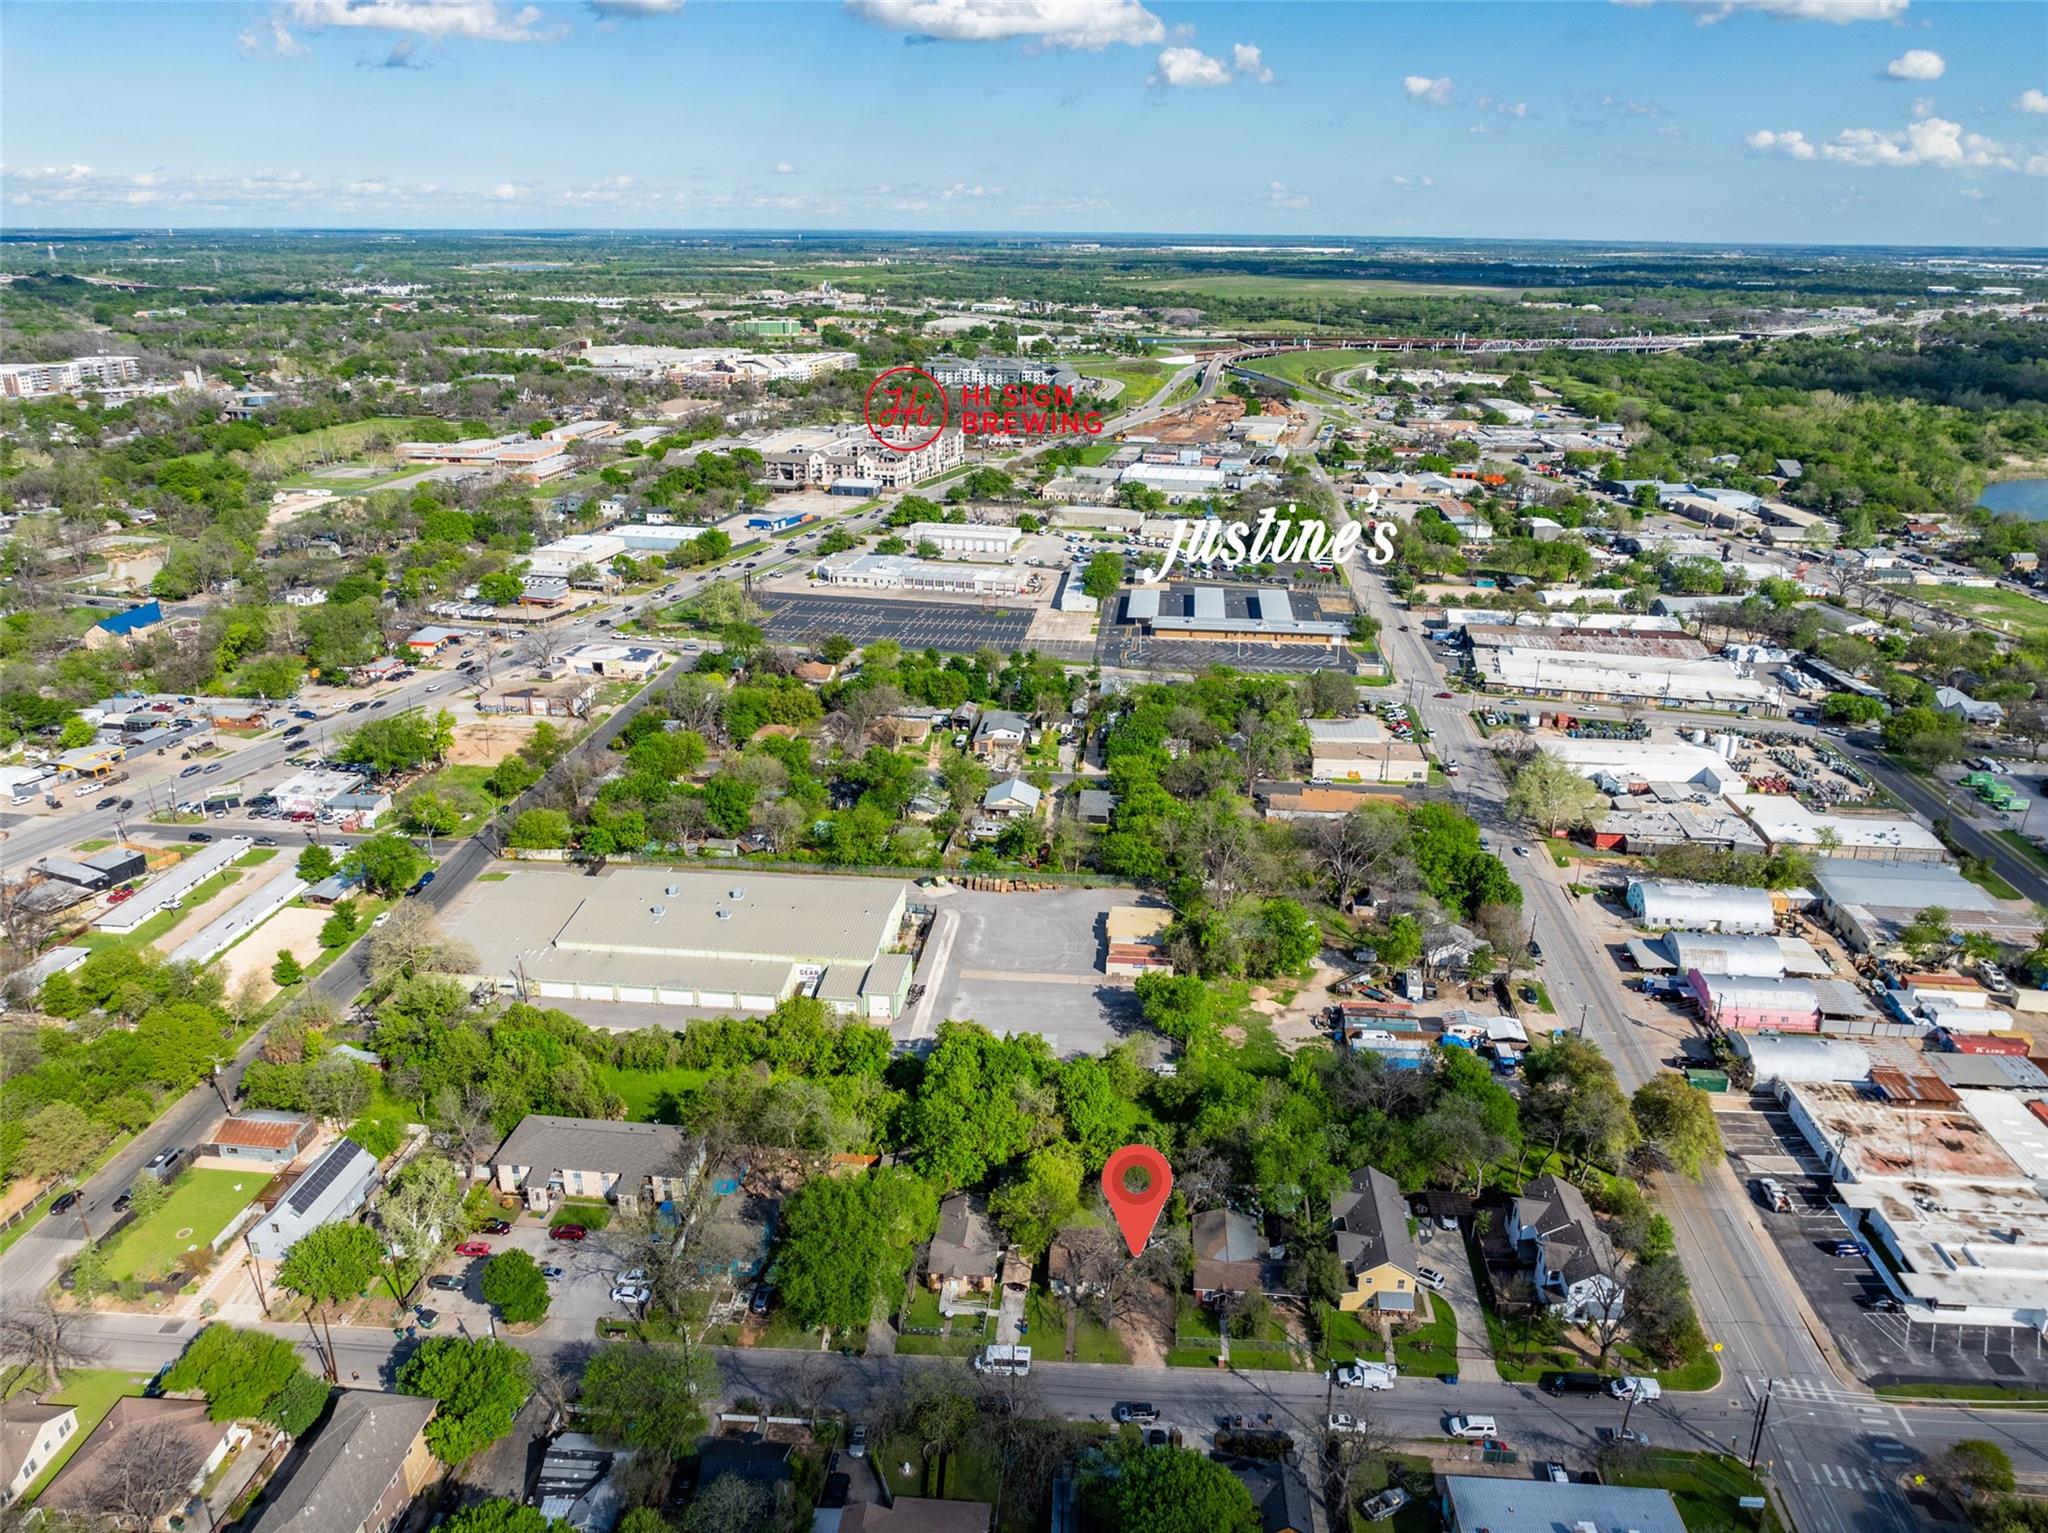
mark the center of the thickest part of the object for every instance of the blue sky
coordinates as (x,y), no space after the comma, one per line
(1875,121)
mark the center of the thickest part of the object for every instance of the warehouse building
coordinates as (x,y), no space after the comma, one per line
(901,572)
(726,941)
(558,558)
(1238,617)
(1666,902)
(962,540)
(1788,825)
(1749,1003)
(1868,904)
(1668,669)
(102,870)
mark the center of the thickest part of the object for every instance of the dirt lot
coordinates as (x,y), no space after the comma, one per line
(489,740)
(1196,423)
(296,929)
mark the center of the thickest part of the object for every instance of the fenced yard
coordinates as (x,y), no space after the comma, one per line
(181,1233)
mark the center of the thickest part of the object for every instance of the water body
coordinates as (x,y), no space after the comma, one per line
(2021,497)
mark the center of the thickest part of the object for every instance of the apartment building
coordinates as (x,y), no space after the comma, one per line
(35,380)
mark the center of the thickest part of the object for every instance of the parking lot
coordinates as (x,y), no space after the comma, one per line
(1028,963)
(953,628)
(1882,1348)
(1122,647)
(581,1296)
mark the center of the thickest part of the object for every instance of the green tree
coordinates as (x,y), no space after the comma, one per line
(500,589)
(431,812)
(1928,935)
(1167,1490)
(652,1398)
(325,1266)
(845,1239)
(1549,795)
(246,1375)
(287,971)
(1105,572)
(729,1504)
(513,1282)
(341,925)
(76,734)
(1973,1468)
(386,864)
(315,863)
(57,1141)
(1676,1119)
(147,1195)
(481,1386)
(1045,1194)
(500,1516)
(540,829)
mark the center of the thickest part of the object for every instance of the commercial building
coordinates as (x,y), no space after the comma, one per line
(1213,613)
(642,538)
(1785,824)
(713,366)
(820,457)
(1004,372)
(359,1473)
(964,540)
(902,572)
(35,380)
(346,795)
(101,870)
(1663,668)
(1867,904)
(568,698)
(1751,1003)
(724,941)
(1518,1504)
(1361,761)
(1985,715)
(566,554)
(167,890)
(328,1191)
(1666,902)
(635,1166)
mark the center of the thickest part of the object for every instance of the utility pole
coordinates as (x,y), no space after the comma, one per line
(1584,1007)
(221,1091)
(1763,1414)
(256,1271)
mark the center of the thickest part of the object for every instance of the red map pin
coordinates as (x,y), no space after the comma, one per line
(1137,1212)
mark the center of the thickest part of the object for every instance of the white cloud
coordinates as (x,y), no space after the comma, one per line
(1840,12)
(1792,143)
(1250,63)
(1413,183)
(1280,195)
(477,20)
(1917,64)
(1974,193)
(1190,68)
(1422,88)
(626,10)
(962,189)
(282,43)
(1933,141)
(510,191)
(2035,101)
(1505,108)
(248,42)
(1084,24)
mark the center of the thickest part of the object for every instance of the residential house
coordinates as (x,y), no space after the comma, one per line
(997,733)
(1984,715)
(30,1435)
(1078,1260)
(326,1192)
(1233,1258)
(359,1473)
(102,1467)
(1012,796)
(967,1250)
(1094,806)
(916,1514)
(1552,1225)
(1373,1243)
(271,1140)
(547,1158)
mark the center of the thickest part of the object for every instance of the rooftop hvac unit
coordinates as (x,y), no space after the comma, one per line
(739,894)
(657,911)
(723,915)
(673,890)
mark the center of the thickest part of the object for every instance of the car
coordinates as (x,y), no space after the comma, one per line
(1143,1412)
(495,1227)
(1441,696)
(569,1232)
(164,1164)
(1470,1426)
(265,841)
(551,1271)
(378,703)
(1521,851)
(1883,1303)
(1629,1438)
(66,1201)
(198,835)
(118,895)
(1362,1375)
(1848,1248)
(107,803)
(127,803)
(1576,1383)
(1530,995)
(857,1442)
(1554,1472)
(759,1303)
(120,1204)
(426,1319)
(305,713)
(1430,1278)
(193,770)
(627,1293)
(1384,1505)
(446,1282)
(1535,950)
(211,767)
(382,917)
(433,686)
(473,1248)
(358,706)
(1341,1421)
(295,731)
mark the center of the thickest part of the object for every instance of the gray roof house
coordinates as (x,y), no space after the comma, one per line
(997,730)
(360,1472)
(548,1158)
(1516,1505)
(328,1191)
(1013,795)
(1553,1224)
(1371,1221)
(967,1248)
(1232,1257)
(30,1435)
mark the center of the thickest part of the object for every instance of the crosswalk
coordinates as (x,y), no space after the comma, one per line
(1834,1476)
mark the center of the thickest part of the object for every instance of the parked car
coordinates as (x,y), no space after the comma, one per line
(1384,1505)
(1140,1411)
(473,1248)
(1631,1437)
(1430,1278)
(1573,1383)
(198,835)
(495,1227)
(567,1232)
(121,1203)
(1848,1248)
(1341,1421)
(266,841)
(116,896)
(426,1319)
(1554,1472)
(1883,1303)
(857,1443)
(627,1293)
(446,1282)
(1357,1375)
(164,1164)
(759,1303)
(551,1272)
(64,1202)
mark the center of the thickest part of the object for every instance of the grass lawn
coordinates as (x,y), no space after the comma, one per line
(923,1309)
(1348,1337)
(1431,1348)
(646,1090)
(386,1110)
(255,855)
(592,1213)
(1986,877)
(1192,1357)
(1706,1487)
(1543,999)
(199,1208)
(93,1391)
(1989,1393)
(2024,847)
(96,844)
(2003,611)
(462,786)
(1138,376)
(955,1345)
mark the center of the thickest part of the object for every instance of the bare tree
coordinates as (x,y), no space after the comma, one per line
(148,1480)
(463,1125)
(25,925)
(1355,1461)
(541,645)
(35,1333)
(411,942)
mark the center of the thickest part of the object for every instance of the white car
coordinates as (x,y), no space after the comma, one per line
(1430,1278)
(634,1277)
(626,1293)
(1340,1421)
(382,917)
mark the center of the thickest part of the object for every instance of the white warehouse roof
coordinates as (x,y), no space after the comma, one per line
(1723,907)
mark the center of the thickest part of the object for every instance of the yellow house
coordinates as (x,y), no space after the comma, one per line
(1373,1243)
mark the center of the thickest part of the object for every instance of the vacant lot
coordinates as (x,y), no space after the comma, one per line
(295,929)
(200,1206)
(2008,612)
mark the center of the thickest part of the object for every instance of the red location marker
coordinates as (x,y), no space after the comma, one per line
(1137,1212)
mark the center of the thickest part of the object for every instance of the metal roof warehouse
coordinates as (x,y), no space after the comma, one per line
(727,940)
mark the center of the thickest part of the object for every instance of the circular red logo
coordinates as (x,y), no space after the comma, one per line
(907,399)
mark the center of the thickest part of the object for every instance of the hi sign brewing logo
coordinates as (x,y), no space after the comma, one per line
(906,409)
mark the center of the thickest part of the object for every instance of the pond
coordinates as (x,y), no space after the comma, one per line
(2020,497)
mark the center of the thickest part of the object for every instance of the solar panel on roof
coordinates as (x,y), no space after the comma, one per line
(307,1190)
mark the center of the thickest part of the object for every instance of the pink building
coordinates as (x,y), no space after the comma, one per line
(1748,1003)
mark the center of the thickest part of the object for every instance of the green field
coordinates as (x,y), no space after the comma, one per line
(1706,1487)
(1316,289)
(200,1206)
(2007,612)
(1138,376)
(644,1090)
(1310,367)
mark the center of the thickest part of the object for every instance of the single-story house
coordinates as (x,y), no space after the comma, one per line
(326,1192)
(131,1452)
(1012,796)
(30,1435)
(1985,715)
(1233,1258)
(271,1140)
(359,1473)
(967,1248)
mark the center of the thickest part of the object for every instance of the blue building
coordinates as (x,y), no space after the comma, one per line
(780,523)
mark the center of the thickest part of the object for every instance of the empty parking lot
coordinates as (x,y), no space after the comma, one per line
(957,629)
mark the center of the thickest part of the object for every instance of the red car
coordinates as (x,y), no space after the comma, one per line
(496,1227)
(1443,694)
(119,895)
(567,1232)
(473,1248)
